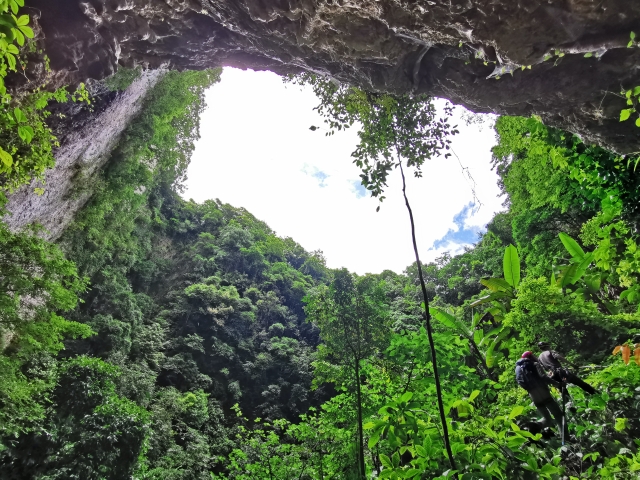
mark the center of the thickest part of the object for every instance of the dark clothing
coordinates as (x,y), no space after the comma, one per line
(551,360)
(548,408)
(564,375)
(537,386)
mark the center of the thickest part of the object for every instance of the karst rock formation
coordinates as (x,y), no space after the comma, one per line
(470,51)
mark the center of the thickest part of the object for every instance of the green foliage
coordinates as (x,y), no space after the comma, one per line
(633,94)
(13,31)
(36,283)
(92,433)
(121,80)
(26,141)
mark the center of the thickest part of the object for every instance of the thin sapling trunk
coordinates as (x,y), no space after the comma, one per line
(443,419)
(360,435)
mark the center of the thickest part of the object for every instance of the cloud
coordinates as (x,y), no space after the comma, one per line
(358,189)
(464,234)
(317,174)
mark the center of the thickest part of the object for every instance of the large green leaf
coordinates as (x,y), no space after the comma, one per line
(567,275)
(489,334)
(490,355)
(582,267)
(572,246)
(496,284)
(489,298)
(476,320)
(511,265)
(593,282)
(6,159)
(385,461)
(449,321)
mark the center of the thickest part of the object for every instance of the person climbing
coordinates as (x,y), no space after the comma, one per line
(536,383)
(552,362)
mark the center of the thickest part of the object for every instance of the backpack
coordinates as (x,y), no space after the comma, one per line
(526,374)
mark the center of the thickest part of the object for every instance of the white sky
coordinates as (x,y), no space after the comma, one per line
(257,152)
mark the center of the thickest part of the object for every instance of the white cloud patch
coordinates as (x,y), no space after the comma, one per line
(319,175)
(464,235)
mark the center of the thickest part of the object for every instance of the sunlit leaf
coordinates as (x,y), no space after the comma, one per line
(475,393)
(489,298)
(19,115)
(515,411)
(406,397)
(477,336)
(373,440)
(6,158)
(496,284)
(572,246)
(385,461)
(27,31)
(626,113)
(511,265)
(25,132)
(449,321)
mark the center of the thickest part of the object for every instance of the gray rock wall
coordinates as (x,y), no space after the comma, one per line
(70,184)
(432,46)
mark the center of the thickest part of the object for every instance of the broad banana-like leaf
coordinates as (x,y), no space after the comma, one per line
(511,266)
(593,283)
(497,310)
(488,337)
(490,359)
(582,291)
(490,355)
(582,267)
(478,336)
(636,356)
(489,298)
(613,309)
(575,270)
(572,246)
(450,321)
(567,274)
(496,284)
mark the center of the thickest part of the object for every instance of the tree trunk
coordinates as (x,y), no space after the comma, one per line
(360,435)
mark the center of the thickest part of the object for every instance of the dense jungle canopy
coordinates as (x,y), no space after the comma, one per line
(159,338)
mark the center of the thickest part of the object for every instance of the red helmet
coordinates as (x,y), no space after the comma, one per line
(526,354)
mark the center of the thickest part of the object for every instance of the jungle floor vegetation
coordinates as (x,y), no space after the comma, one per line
(164,339)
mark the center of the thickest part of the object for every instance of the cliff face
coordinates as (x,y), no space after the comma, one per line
(71,182)
(454,49)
